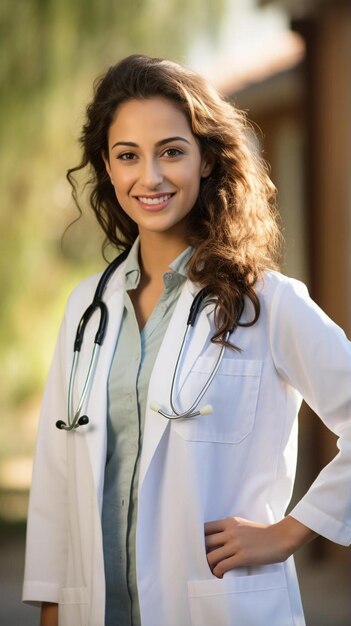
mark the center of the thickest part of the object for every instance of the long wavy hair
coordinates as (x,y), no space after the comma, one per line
(234,228)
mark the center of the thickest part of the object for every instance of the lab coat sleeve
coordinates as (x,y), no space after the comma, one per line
(314,356)
(46,547)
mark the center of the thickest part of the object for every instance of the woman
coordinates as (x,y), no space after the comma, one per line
(139,519)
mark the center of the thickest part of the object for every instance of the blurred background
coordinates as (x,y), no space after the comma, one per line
(288,64)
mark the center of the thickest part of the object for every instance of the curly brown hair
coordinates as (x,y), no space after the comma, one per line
(234,227)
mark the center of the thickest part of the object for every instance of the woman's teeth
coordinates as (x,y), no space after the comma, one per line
(159,200)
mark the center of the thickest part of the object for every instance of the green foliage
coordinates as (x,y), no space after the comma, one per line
(51,52)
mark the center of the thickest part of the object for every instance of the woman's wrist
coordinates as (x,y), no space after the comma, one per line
(49,614)
(293,534)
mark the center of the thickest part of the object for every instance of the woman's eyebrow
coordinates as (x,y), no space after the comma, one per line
(162,142)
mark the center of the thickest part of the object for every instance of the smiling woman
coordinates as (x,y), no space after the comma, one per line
(139,520)
(155,165)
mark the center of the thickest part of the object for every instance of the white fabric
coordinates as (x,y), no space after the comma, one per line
(239,461)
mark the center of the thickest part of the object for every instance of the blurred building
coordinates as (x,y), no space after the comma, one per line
(299,94)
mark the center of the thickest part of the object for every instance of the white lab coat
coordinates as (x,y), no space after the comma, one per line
(239,461)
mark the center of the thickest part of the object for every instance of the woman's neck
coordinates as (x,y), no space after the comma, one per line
(157,252)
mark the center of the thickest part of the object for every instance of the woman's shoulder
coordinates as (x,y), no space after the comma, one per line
(289,299)
(85,289)
(84,292)
(276,291)
(274,282)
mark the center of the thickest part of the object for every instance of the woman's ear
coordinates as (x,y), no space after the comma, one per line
(107,165)
(208,163)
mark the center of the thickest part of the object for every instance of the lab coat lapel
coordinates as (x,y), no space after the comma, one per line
(95,432)
(163,370)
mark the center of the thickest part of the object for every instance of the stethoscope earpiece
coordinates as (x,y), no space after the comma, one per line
(83,420)
(206,410)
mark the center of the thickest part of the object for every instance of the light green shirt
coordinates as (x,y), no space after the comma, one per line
(128,383)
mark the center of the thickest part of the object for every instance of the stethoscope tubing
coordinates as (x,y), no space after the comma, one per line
(190,412)
(73,418)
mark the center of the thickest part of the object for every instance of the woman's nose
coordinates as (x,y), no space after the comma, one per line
(151,174)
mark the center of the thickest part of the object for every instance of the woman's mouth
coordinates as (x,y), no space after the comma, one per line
(154,203)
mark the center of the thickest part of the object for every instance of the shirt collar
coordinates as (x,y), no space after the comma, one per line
(132,268)
(179,264)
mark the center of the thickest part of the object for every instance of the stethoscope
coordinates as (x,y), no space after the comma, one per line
(75,417)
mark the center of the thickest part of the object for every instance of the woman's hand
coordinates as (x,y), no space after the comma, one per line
(236,542)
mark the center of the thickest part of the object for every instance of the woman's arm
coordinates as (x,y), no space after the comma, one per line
(312,354)
(49,614)
(235,542)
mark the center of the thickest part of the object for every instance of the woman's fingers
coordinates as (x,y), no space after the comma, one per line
(214,535)
(214,527)
(236,542)
(224,566)
(217,555)
(221,548)
(214,541)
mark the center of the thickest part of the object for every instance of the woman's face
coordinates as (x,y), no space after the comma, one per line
(155,164)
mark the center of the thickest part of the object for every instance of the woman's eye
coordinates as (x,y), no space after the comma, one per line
(126,156)
(172,152)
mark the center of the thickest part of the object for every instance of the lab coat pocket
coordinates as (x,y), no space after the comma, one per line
(251,600)
(232,394)
(73,606)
